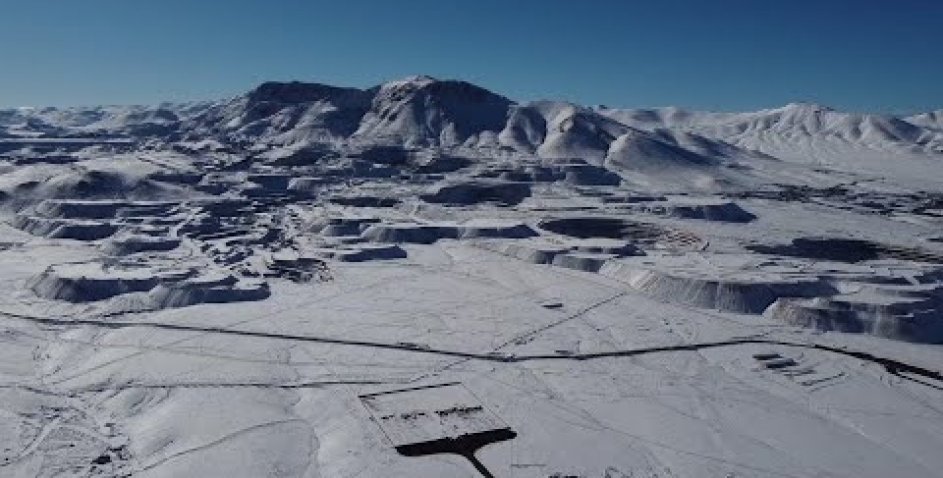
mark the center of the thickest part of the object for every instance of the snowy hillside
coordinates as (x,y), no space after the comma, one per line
(420,112)
(428,279)
(932,120)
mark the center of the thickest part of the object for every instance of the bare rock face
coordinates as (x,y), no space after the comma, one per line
(135,243)
(88,220)
(343,226)
(101,209)
(904,312)
(78,229)
(90,282)
(744,293)
(144,287)
(213,289)
(430,233)
(586,255)
(582,261)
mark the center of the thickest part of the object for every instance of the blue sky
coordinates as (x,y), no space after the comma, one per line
(866,55)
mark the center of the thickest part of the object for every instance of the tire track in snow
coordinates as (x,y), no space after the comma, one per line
(895,367)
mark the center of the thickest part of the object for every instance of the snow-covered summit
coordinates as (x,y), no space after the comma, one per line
(422,111)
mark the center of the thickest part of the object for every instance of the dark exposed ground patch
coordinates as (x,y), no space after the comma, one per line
(845,250)
(365,201)
(602,227)
(508,194)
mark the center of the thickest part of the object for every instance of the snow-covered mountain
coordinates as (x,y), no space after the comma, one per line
(932,120)
(134,121)
(421,111)
(308,280)
(283,113)
(417,111)
(796,122)
(425,111)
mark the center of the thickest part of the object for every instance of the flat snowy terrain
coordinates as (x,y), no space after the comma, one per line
(427,279)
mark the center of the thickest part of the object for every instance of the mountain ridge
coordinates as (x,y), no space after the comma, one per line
(424,112)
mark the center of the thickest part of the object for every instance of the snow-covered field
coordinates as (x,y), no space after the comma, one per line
(316,281)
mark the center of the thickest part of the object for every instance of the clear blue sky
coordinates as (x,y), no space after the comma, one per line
(861,55)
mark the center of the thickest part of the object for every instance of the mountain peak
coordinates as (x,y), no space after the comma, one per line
(296,92)
(441,91)
(807,106)
(423,109)
(416,80)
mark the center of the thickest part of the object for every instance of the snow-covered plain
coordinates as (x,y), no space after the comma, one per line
(233,288)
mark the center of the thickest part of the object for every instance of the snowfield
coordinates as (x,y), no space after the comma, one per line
(428,279)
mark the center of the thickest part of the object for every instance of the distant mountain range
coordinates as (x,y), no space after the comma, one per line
(423,112)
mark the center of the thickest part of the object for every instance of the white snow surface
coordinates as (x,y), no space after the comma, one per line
(223,288)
